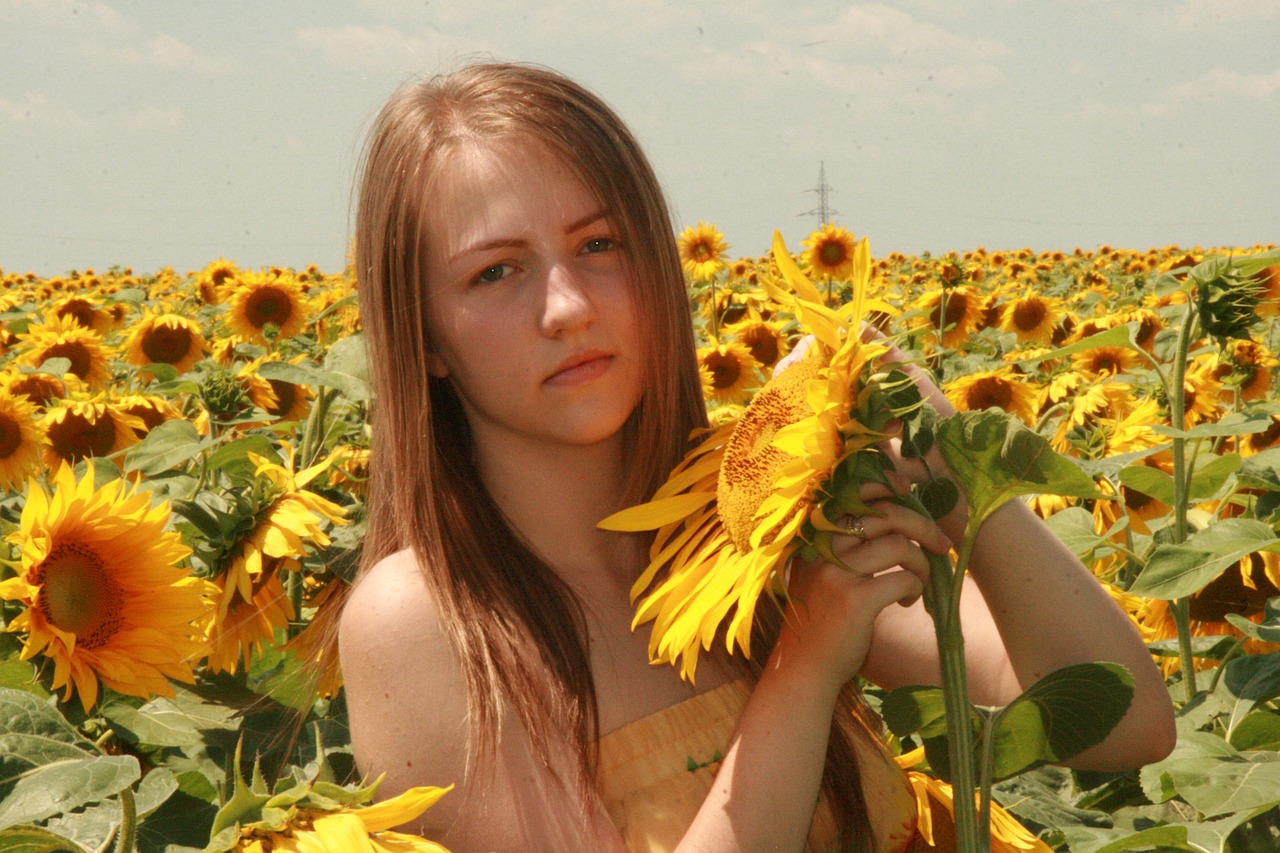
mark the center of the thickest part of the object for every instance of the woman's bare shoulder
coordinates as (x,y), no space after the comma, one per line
(388,600)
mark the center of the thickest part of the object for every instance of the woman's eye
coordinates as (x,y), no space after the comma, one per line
(497,272)
(597,244)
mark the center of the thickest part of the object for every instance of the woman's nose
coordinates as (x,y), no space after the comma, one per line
(568,305)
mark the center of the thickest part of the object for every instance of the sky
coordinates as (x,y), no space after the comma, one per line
(149,134)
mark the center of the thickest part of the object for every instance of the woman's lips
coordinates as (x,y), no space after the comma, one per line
(581,368)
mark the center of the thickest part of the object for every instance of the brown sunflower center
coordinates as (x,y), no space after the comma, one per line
(10,435)
(957,307)
(39,388)
(78,595)
(78,436)
(763,344)
(79,310)
(832,253)
(725,369)
(1105,361)
(750,459)
(989,391)
(1028,314)
(74,351)
(268,305)
(167,344)
(1228,593)
(701,251)
(286,396)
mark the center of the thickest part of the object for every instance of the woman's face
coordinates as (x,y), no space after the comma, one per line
(529,299)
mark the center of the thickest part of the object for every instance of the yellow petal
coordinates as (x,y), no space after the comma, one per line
(657,513)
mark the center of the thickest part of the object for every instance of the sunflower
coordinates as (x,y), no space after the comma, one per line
(40,388)
(291,522)
(104,598)
(21,434)
(336,827)
(1269,297)
(284,400)
(85,313)
(1248,368)
(730,514)
(82,429)
(266,306)
(1031,317)
(216,279)
(1106,360)
(151,409)
(935,821)
(702,251)
(314,645)
(998,388)
(765,340)
(165,339)
(829,253)
(63,337)
(727,370)
(1250,445)
(240,627)
(963,313)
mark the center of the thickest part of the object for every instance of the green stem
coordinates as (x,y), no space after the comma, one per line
(311,431)
(128,822)
(972,836)
(1176,392)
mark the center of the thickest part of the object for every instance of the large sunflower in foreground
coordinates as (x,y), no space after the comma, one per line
(732,511)
(104,598)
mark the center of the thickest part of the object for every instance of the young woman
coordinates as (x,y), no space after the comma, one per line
(534,370)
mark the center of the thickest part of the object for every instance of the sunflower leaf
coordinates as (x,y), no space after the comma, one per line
(1215,778)
(1236,423)
(1175,571)
(1116,336)
(1061,715)
(165,447)
(61,786)
(33,839)
(995,458)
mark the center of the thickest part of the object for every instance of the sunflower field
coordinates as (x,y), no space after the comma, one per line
(182,463)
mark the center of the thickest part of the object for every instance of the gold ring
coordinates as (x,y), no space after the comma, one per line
(853,524)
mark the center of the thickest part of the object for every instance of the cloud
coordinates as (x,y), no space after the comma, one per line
(1224,82)
(384,47)
(877,29)
(100,34)
(38,112)
(1201,14)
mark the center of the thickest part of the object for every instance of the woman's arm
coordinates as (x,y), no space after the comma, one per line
(1029,607)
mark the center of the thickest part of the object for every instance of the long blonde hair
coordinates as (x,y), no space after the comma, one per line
(496,598)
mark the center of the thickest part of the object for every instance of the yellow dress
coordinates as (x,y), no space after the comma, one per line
(656,772)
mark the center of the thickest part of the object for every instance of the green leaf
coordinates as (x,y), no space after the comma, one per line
(95,824)
(65,785)
(181,721)
(1150,481)
(1262,470)
(167,446)
(33,839)
(1214,778)
(1209,478)
(1176,571)
(1260,729)
(915,709)
(1116,336)
(996,458)
(1082,839)
(305,374)
(34,733)
(347,356)
(1251,679)
(1236,423)
(233,457)
(1074,526)
(1061,715)
(1268,631)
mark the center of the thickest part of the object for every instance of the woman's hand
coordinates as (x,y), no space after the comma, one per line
(833,609)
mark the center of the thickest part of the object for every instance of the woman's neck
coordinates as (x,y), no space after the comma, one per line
(554,497)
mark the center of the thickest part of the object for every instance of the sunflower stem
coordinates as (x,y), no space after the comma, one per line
(128,822)
(1176,393)
(972,835)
